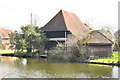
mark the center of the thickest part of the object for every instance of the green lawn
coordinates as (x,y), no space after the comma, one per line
(113,59)
(6,51)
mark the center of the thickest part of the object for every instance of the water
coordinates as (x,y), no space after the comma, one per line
(39,68)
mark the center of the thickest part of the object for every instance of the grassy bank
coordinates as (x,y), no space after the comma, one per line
(19,53)
(113,59)
(6,51)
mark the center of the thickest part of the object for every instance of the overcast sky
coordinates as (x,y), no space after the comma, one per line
(97,13)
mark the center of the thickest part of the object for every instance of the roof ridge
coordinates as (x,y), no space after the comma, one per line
(105,36)
(64,17)
(66,11)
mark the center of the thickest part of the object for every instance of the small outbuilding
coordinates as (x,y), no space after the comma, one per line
(99,45)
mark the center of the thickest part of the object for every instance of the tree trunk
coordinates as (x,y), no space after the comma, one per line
(29,50)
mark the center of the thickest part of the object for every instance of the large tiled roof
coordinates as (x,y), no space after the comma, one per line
(66,21)
(4,33)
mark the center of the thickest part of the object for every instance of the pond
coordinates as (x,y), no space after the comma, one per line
(41,68)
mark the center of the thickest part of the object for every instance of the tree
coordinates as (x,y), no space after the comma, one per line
(117,40)
(12,38)
(107,31)
(30,38)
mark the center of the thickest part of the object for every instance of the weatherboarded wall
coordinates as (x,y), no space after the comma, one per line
(100,50)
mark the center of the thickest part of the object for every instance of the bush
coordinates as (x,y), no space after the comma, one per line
(19,53)
(4,47)
(73,53)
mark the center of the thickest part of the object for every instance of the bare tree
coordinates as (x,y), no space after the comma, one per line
(117,40)
(108,31)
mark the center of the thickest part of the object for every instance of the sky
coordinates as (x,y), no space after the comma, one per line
(96,13)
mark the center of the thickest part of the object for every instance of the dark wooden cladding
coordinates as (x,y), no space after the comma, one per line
(100,51)
(51,44)
(57,34)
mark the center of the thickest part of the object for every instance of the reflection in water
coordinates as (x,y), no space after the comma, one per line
(115,72)
(9,60)
(40,68)
(24,61)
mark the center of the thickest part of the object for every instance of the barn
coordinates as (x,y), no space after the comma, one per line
(65,24)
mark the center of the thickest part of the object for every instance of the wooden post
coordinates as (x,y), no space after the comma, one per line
(65,41)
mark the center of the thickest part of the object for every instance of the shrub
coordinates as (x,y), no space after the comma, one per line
(72,53)
(4,46)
